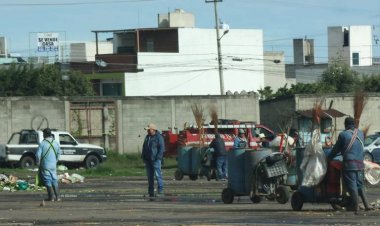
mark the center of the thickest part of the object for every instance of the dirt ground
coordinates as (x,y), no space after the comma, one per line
(121,201)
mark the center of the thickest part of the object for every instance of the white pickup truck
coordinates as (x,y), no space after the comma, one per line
(22,146)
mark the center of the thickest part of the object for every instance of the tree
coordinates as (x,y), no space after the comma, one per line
(339,78)
(266,93)
(371,83)
(46,80)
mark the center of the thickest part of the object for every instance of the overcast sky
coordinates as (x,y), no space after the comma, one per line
(280,20)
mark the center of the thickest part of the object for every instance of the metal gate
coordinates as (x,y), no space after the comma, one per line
(94,122)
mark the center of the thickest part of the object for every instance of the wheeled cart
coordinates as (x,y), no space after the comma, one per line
(329,190)
(257,174)
(189,162)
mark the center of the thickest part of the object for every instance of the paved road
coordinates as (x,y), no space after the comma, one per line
(120,201)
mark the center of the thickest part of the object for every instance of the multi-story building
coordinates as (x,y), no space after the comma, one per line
(178,59)
(351,45)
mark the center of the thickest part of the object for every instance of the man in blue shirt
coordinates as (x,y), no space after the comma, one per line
(152,155)
(240,141)
(350,145)
(47,157)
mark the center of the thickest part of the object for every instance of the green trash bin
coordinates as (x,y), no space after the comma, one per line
(241,165)
(188,162)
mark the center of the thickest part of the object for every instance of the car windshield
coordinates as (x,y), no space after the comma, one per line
(370,139)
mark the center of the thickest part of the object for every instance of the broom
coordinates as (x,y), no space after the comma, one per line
(199,120)
(360,100)
(214,117)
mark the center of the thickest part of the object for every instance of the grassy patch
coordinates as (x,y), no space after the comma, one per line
(116,165)
(125,165)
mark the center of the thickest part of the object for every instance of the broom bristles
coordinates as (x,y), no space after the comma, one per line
(365,130)
(360,100)
(198,114)
(199,120)
(317,113)
(214,117)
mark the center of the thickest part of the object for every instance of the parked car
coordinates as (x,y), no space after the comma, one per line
(22,147)
(372,148)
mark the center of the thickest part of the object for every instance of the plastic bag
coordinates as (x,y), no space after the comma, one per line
(372,172)
(314,163)
(38,180)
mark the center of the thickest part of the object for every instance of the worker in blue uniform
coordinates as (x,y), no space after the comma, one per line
(350,145)
(47,157)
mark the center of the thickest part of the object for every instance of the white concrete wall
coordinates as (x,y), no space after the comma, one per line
(336,51)
(360,41)
(178,18)
(86,51)
(194,70)
(274,72)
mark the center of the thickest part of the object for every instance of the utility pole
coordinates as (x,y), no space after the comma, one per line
(218,38)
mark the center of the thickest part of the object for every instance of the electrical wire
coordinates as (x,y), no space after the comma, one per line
(74,3)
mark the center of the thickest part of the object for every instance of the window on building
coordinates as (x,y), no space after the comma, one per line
(150,45)
(346,37)
(111,89)
(355,58)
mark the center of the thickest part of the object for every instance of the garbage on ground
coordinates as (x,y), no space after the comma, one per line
(62,168)
(66,178)
(12,183)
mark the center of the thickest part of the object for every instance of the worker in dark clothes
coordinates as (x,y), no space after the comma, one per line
(350,145)
(220,154)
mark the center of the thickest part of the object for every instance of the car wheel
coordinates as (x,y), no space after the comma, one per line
(91,161)
(227,196)
(178,175)
(27,162)
(368,157)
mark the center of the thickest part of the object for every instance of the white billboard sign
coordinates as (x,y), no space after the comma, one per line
(47,42)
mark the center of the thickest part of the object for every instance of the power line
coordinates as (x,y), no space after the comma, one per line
(73,3)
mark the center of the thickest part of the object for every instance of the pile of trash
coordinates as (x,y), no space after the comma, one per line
(70,179)
(12,183)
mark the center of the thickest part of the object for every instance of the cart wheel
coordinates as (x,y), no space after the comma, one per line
(293,187)
(282,194)
(227,196)
(271,197)
(256,199)
(297,201)
(336,206)
(178,175)
(193,177)
(208,174)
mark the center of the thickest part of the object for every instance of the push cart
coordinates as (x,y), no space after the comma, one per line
(208,164)
(263,172)
(189,162)
(329,190)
